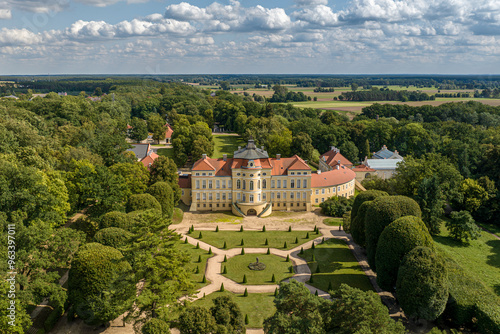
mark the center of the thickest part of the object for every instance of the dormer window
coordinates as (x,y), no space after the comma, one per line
(251,164)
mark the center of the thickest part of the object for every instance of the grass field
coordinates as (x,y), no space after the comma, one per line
(337,265)
(258,306)
(166,152)
(221,217)
(224,144)
(481,258)
(332,221)
(238,266)
(495,229)
(254,239)
(193,264)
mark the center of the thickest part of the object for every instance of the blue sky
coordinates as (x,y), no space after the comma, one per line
(229,36)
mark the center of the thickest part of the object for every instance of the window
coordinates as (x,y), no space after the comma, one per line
(284,195)
(230,195)
(217,196)
(209,196)
(210,184)
(272,184)
(284,183)
(204,196)
(223,184)
(251,185)
(304,183)
(229,184)
(204,186)
(217,184)
(304,195)
(333,190)
(317,191)
(292,173)
(264,174)
(204,174)
(198,196)
(323,190)
(182,192)
(264,196)
(264,184)
(338,189)
(251,198)
(238,174)
(298,173)
(223,196)
(322,200)
(244,184)
(272,195)
(258,184)
(292,184)
(278,195)
(259,197)
(291,195)
(238,184)
(298,195)
(316,200)
(238,196)
(279,183)
(197,174)
(244,198)
(197,184)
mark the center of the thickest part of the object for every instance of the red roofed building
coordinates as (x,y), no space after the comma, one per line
(363,172)
(332,158)
(148,160)
(168,134)
(252,183)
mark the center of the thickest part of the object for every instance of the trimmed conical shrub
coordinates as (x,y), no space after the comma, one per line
(204,280)
(313,246)
(329,286)
(246,318)
(224,271)
(301,250)
(241,228)
(275,292)
(244,279)
(296,240)
(243,251)
(266,243)
(311,280)
(290,269)
(210,250)
(268,251)
(197,245)
(307,235)
(221,287)
(273,279)
(285,245)
(317,269)
(199,258)
(289,229)
(225,245)
(197,271)
(217,228)
(316,293)
(264,228)
(200,236)
(242,243)
(225,258)
(186,240)
(287,258)
(245,294)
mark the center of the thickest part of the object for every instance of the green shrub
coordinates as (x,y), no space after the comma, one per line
(143,202)
(164,194)
(116,219)
(155,326)
(381,212)
(365,196)
(112,236)
(53,318)
(422,284)
(397,240)
(462,226)
(336,206)
(358,225)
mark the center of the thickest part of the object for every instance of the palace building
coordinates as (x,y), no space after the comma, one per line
(252,183)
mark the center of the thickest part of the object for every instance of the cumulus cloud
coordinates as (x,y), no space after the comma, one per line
(309,3)
(320,15)
(36,6)
(5,14)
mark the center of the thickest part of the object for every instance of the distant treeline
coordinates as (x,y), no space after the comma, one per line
(385,95)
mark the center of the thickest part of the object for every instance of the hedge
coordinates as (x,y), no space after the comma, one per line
(53,318)
(116,219)
(155,326)
(381,212)
(143,202)
(365,196)
(358,225)
(164,194)
(422,284)
(113,237)
(397,240)
(471,303)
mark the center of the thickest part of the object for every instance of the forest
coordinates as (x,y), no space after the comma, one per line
(66,155)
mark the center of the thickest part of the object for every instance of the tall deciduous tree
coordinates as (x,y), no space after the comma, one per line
(431,200)
(302,146)
(156,124)
(136,176)
(139,131)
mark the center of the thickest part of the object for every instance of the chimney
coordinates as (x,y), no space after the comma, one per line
(262,147)
(337,167)
(324,158)
(319,171)
(239,148)
(224,157)
(203,156)
(278,156)
(338,162)
(332,148)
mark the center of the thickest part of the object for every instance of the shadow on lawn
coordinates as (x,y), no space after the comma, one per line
(494,257)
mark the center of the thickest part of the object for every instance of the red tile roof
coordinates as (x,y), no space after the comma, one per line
(146,161)
(332,177)
(363,168)
(168,133)
(204,164)
(332,157)
(185,181)
(299,164)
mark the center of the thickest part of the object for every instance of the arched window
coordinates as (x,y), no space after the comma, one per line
(238,184)
(244,184)
(251,185)
(264,185)
(258,184)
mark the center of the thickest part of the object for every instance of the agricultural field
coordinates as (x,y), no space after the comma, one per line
(481,257)
(255,239)
(337,265)
(237,267)
(226,144)
(258,306)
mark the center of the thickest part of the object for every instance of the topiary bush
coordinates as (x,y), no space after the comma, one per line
(116,219)
(381,212)
(365,196)
(164,194)
(358,225)
(336,206)
(112,236)
(397,240)
(143,202)
(155,326)
(93,287)
(422,284)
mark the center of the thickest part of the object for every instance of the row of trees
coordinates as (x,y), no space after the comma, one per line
(376,94)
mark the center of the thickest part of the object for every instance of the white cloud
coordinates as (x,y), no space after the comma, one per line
(320,15)
(19,37)
(36,6)
(309,3)
(5,14)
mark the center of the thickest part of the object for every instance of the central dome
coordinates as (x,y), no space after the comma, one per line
(251,152)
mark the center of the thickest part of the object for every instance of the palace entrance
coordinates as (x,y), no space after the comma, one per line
(251,212)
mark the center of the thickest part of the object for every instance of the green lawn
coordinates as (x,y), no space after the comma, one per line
(221,217)
(224,144)
(337,265)
(166,152)
(332,221)
(255,239)
(481,258)
(258,306)
(495,229)
(238,266)
(193,264)
(178,215)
